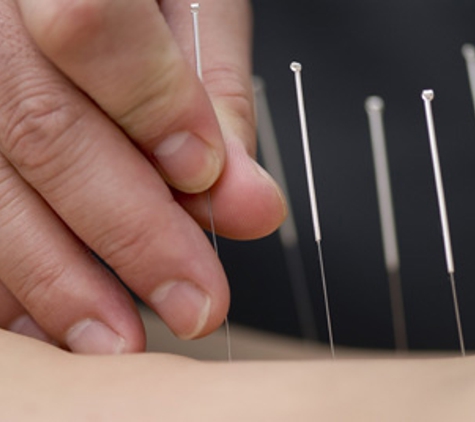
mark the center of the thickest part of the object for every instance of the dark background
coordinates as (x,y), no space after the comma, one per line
(351,50)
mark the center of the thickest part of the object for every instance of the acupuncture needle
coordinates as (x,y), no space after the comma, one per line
(195,7)
(468,52)
(288,235)
(374,108)
(427,97)
(297,69)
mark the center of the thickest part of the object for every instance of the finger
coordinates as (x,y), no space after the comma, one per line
(246,203)
(226,55)
(16,319)
(226,37)
(108,194)
(123,55)
(42,264)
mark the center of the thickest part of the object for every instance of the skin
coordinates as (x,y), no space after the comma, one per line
(47,384)
(109,143)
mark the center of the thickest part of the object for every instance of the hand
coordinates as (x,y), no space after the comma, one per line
(96,114)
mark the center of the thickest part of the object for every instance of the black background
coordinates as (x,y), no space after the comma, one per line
(351,50)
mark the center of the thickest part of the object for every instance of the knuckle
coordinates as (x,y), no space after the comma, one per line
(8,178)
(233,97)
(35,285)
(34,132)
(226,83)
(164,94)
(125,245)
(12,203)
(63,24)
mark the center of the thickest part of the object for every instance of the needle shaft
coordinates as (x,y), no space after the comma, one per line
(428,96)
(297,69)
(195,7)
(374,108)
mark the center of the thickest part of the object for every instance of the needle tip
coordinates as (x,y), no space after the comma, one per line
(295,67)
(374,103)
(468,51)
(194,7)
(428,95)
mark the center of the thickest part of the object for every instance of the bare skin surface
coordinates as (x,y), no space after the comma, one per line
(43,383)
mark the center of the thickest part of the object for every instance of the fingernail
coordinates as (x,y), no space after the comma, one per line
(93,337)
(27,326)
(184,307)
(188,163)
(273,184)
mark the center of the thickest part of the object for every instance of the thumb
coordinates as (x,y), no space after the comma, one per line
(247,203)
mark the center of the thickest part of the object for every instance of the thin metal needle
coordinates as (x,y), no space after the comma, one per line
(374,108)
(468,52)
(195,8)
(288,231)
(428,96)
(297,69)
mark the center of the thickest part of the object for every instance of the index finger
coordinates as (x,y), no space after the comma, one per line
(122,54)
